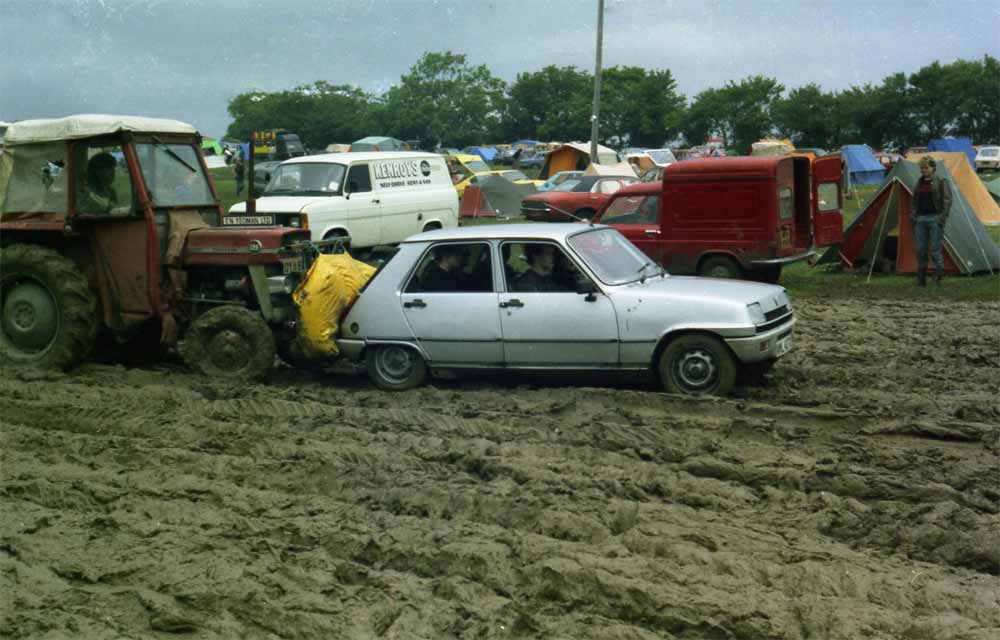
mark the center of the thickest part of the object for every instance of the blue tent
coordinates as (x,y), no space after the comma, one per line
(862,167)
(954,144)
(531,144)
(486,153)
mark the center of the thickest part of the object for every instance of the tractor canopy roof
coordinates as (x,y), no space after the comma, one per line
(88,126)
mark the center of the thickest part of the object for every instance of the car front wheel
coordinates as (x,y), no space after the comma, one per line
(697,363)
(395,367)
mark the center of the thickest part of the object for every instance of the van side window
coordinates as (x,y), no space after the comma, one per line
(359,180)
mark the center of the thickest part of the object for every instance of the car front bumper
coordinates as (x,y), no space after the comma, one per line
(769,345)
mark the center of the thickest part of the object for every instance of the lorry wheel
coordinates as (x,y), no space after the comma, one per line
(48,313)
(229,342)
(697,363)
(395,367)
(720,267)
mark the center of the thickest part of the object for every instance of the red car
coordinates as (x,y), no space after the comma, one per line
(580,197)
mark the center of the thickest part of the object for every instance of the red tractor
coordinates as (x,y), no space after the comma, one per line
(111,225)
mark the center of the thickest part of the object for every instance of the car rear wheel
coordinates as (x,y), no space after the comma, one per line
(586,214)
(229,342)
(48,314)
(395,367)
(720,267)
(697,363)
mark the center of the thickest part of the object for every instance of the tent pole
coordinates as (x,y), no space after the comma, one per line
(884,213)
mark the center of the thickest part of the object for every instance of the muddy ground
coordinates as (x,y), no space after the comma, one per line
(853,495)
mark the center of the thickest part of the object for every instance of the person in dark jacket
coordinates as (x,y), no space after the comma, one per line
(239,170)
(541,275)
(929,209)
(445,273)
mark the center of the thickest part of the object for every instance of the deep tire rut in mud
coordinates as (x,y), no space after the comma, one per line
(853,494)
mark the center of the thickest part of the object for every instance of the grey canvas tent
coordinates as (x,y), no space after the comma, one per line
(881,235)
(379,143)
(494,196)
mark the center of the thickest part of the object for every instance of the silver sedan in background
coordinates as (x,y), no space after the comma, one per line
(558,297)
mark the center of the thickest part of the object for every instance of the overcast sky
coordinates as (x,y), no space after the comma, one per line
(185,59)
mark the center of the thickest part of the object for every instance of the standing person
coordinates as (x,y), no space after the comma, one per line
(238,171)
(929,209)
(515,160)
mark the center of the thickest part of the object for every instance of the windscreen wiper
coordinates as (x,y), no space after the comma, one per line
(173,154)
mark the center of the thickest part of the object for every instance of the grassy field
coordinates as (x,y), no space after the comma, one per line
(802,278)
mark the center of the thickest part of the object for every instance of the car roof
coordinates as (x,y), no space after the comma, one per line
(519,231)
(364,156)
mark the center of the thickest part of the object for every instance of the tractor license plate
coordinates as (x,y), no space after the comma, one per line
(248,221)
(293,265)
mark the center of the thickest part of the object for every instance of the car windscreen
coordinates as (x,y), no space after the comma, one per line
(173,174)
(662,156)
(477,166)
(306,179)
(567,185)
(989,152)
(611,256)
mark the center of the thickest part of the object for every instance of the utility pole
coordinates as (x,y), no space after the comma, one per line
(595,114)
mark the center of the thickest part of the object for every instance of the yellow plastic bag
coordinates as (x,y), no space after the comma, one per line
(331,285)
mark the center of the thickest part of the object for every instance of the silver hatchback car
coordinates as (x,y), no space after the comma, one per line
(558,297)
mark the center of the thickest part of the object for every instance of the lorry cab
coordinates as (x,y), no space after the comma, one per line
(732,217)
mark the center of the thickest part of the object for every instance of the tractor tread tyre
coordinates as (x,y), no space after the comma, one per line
(409,374)
(256,344)
(73,299)
(698,350)
(720,267)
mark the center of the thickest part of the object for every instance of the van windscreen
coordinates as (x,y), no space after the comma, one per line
(306,179)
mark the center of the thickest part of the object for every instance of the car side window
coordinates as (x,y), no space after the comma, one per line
(359,180)
(102,185)
(539,267)
(454,267)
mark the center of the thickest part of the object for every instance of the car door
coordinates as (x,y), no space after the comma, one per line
(558,328)
(637,217)
(454,313)
(364,207)
(828,222)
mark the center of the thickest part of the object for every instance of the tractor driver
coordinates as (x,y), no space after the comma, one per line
(98,195)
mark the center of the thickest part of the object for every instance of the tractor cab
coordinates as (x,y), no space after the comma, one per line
(126,205)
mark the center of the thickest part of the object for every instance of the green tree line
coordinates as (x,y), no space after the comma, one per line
(443,99)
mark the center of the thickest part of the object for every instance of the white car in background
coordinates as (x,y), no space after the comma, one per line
(988,158)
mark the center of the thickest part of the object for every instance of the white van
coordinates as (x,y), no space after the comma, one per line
(375,198)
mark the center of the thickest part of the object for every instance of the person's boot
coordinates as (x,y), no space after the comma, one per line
(921,277)
(937,277)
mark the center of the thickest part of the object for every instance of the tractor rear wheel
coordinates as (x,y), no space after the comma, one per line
(229,342)
(48,314)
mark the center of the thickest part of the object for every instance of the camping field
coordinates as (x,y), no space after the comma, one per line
(852,493)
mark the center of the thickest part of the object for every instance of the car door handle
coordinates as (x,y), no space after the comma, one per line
(652,232)
(416,302)
(376,201)
(514,302)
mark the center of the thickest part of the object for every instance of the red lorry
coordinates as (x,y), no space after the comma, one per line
(732,217)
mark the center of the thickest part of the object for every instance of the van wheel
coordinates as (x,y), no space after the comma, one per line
(431,226)
(337,234)
(720,267)
(48,314)
(697,363)
(395,368)
(229,342)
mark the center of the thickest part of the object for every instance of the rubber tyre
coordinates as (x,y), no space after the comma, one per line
(768,274)
(720,267)
(54,280)
(586,214)
(695,364)
(395,367)
(229,342)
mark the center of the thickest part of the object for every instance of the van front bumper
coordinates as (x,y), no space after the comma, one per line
(775,262)
(769,345)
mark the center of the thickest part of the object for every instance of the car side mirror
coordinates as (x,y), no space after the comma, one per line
(585,287)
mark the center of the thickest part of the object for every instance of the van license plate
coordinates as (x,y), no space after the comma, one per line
(293,265)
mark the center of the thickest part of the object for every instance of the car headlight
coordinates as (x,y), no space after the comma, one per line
(756,313)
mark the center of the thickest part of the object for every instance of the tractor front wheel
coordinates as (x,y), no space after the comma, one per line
(229,342)
(48,314)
